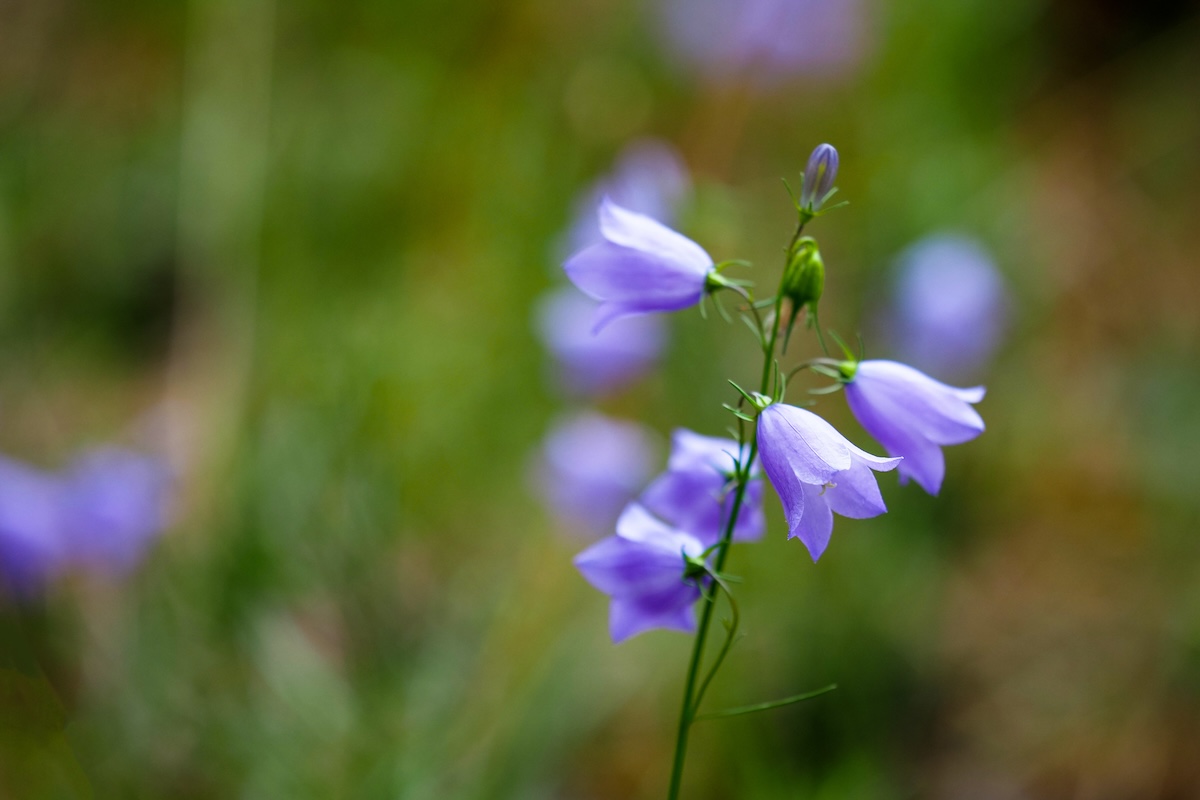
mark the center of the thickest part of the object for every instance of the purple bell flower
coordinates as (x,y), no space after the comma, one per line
(816,472)
(32,549)
(912,416)
(591,466)
(951,306)
(642,266)
(643,569)
(115,504)
(695,493)
(596,362)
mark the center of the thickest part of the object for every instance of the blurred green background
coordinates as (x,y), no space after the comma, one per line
(303,238)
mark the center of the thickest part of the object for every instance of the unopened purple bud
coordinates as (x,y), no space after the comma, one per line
(819,176)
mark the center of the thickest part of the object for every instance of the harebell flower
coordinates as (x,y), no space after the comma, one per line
(664,565)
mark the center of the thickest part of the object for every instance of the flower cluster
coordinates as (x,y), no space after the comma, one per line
(672,539)
(649,567)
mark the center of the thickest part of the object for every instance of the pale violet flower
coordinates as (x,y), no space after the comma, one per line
(763,42)
(591,466)
(589,362)
(950,305)
(695,493)
(643,569)
(115,503)
(913,416)
(99,515)
(642,266)
(32,546)
(817,472)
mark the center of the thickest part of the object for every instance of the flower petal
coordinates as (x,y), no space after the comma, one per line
(639,232)
(698,502)
(636,524)
(630,616)
(787,485)
(925,463)
(855,493)
(634,279)
(690,450)
(923,460)
(816,526)
(810,446)
(622,568)
(908,398)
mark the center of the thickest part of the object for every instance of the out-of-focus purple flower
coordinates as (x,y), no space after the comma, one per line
(816,472)
(643,569)
(695,493)
(951,306)
(591,466)
(593,363)
(912,416)
(642,266)
(764,41)
(115,503)
(32,548)
(98,515)
(649,177)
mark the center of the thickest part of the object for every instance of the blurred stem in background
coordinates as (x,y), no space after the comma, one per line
(224,159)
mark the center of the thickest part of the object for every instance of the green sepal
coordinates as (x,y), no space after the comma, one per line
(742,415)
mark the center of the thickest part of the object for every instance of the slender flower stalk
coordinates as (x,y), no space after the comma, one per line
(768,336)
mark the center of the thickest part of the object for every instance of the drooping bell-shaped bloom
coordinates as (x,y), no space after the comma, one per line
(696,495)
(649,177)
(817,472)
(642,266)
(950,308)
(32,547)
(913,416)
(589,362)
(115,504)
(643,569)
(591,466)
(763,42)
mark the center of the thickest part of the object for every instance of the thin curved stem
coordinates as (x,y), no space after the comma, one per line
(767,706)
(731,634)
(820,336)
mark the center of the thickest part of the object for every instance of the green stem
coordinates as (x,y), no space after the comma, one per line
(690,703)
(691,698)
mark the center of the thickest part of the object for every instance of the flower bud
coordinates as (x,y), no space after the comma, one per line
(804,278)
(819,176)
